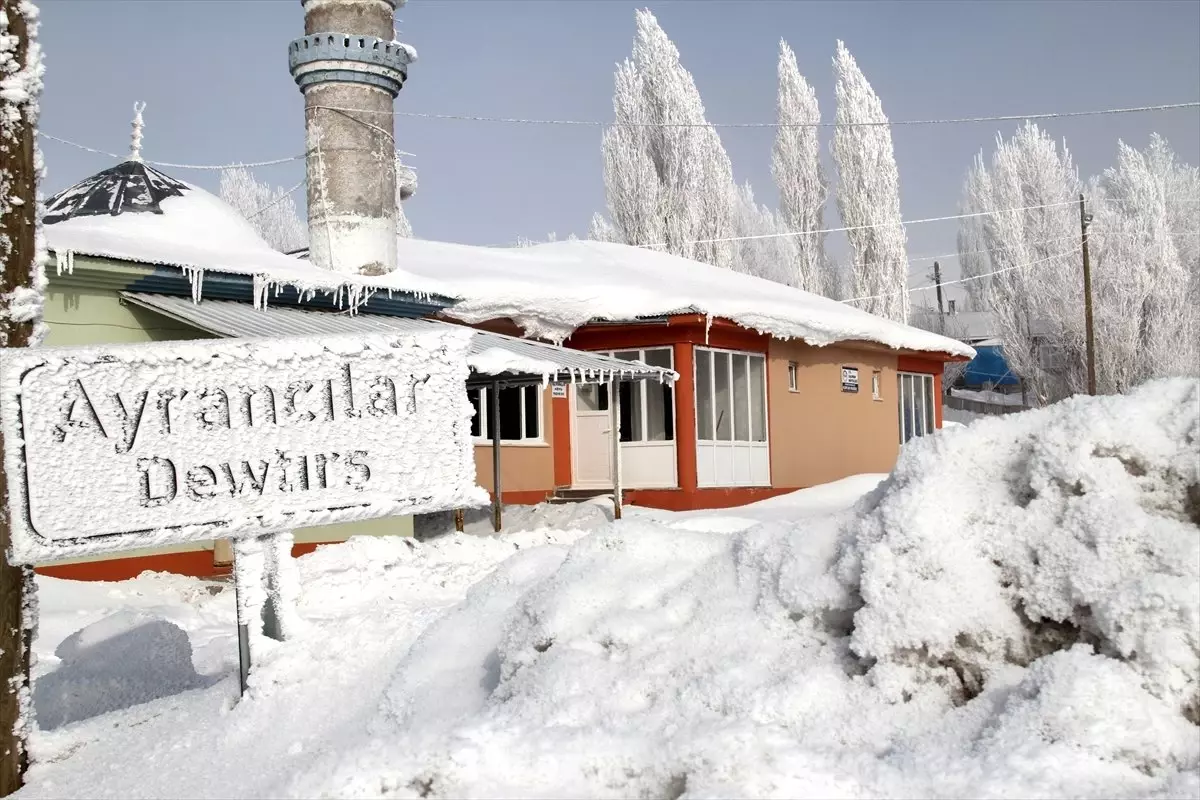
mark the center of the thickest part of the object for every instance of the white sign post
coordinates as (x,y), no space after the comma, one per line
(134,446)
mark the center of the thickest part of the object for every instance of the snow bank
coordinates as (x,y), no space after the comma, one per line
(127,658)
(996,544)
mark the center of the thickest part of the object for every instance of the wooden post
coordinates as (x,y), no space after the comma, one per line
(614,404)
(494,422)
(1084,219)
(19,279)
(937,280)
(460,524)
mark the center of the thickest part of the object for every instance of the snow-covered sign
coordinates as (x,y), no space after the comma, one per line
(850,379)
(116,447)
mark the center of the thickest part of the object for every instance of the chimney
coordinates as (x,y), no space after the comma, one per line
(350,71)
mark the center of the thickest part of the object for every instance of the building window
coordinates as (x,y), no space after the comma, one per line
(876,385)
(520,413)
(916,405)
(647,407)
(731,390)
(793,376)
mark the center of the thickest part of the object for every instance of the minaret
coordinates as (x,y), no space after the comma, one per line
(350,71)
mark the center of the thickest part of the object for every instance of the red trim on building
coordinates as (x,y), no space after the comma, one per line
(683,500)
(195,563)
(560,412)
(685,417)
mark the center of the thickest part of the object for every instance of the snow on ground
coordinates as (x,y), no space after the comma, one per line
(1013,612)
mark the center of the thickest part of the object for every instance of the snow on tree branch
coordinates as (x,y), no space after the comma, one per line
(269,212)
(869,193)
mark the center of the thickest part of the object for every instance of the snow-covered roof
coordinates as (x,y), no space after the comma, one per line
(494,355)
(549,290)
(198,232)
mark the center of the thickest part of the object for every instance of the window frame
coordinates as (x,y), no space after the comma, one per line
(927,423)
(644,396)
(485,437)
(877,385)
(793,373)
(750,397)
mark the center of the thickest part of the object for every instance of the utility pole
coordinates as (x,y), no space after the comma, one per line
(20,317)
(936,276)
(1085,219)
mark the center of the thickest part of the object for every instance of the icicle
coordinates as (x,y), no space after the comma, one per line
(197,278)
(707,326)
(59,261)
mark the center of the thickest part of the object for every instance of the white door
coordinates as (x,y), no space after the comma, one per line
(593,438)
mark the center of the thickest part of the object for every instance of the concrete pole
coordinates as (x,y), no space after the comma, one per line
(614,403)
(350,71)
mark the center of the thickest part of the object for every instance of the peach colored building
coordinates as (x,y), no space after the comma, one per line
(751,416)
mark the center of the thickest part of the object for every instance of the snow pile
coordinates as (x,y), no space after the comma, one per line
(1077,523)
(127,658)
(1012,613)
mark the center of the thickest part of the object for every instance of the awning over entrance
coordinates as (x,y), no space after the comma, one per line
(493,357)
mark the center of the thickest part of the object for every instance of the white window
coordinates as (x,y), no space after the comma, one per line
(793,376)
(916,405)
(731,418)
(647,407)
(876,385)
(520,413)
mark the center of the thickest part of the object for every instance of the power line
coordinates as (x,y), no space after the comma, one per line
(887,123)
(170,165)
(277,200)
(902,223)
(962,280)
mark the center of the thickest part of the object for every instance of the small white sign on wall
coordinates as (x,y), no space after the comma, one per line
(558,390)
(128,446)
(850,379)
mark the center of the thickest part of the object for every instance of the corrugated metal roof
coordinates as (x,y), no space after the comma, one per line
(242,320)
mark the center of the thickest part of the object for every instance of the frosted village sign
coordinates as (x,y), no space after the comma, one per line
(122,447)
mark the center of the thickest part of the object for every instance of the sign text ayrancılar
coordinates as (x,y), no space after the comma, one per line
(127,419)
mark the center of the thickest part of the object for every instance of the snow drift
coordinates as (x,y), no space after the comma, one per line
(1013,612)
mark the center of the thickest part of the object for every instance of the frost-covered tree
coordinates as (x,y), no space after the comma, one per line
(667,175)
(869,193)
(1145,309)
(763,253)
(270,211)
(799,176)
(1036,295)
(973,260)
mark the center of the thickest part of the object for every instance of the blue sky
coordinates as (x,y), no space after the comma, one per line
(214,76)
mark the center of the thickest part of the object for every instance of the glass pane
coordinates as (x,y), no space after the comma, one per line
(628,355)
(591,397)
(918,405)
(533,401)
(477,420)
(722,397)
(930,416)
(741,398)
(659,425)
(704,400)
(510,414)
(758,396)
(631,411)
(906,393)
(660,357)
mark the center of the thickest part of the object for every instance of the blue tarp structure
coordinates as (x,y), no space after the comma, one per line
(989,366)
